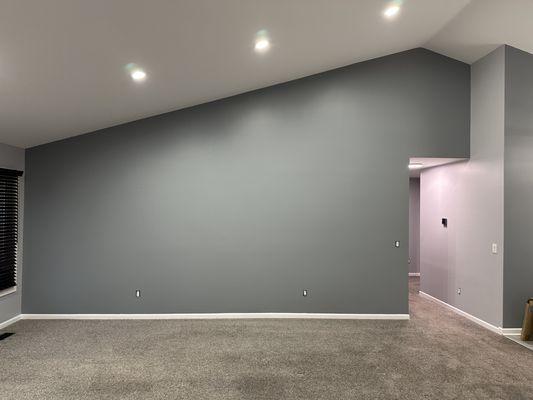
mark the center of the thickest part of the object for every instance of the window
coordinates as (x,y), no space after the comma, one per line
(9,193)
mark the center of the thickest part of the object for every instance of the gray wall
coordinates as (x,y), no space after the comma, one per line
(470,195)
(239,204)
(414,225)
(518,267)
(13,158)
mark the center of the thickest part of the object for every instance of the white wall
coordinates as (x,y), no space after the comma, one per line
(13,158)
(470,195)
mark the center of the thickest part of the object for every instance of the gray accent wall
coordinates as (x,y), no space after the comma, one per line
(518,267)
(10,304)
(414,225)
(470,194)
(240,204)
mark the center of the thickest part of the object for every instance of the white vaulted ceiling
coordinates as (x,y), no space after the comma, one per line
(484,25)
(62,62)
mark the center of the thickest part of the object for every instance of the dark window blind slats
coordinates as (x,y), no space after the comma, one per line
(8,227)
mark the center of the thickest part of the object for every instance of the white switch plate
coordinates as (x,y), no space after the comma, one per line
(494,248)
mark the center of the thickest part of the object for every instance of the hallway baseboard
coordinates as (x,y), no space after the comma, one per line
(472,318)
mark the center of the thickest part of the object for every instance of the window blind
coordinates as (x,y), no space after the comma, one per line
(9,199)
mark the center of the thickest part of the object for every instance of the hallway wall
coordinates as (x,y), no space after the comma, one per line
(470,195)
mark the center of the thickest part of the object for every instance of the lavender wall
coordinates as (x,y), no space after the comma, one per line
(470,195)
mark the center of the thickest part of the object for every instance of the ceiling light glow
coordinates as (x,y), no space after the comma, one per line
(416,165)
(138,75)
(391,11)
(262,41)
(136,72)
(262,45)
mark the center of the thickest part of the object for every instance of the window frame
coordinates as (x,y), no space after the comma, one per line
(17,174)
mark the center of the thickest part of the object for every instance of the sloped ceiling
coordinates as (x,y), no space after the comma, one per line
(62,62)
(484,25)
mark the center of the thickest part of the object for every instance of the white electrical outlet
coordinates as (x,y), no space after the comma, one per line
(397,243)
(494,248)
(137,293)
(459,291)
(305,292)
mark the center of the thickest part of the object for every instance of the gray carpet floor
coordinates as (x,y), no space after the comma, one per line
(435,355)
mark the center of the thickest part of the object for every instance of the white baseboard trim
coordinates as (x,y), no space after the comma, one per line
(5,324)
(414,273)
(511,331)
(517,339)
(217,316)
(477,320)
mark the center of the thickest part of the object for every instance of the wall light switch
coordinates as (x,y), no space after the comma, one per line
(305,292)
(397,243)
(137,293)
(459,291)
(494,248)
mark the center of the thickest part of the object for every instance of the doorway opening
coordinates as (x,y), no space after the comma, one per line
(422,215)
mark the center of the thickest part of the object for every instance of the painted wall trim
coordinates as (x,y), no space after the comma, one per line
(511,331)
(516,338)
(218,316)
(414,273)
(5,292)
(5,324)
(477,320)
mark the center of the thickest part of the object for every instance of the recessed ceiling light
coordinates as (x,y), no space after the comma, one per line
(138,75)
(262,41)
(416,165)
(135,71)
(262,45)
(391,11)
